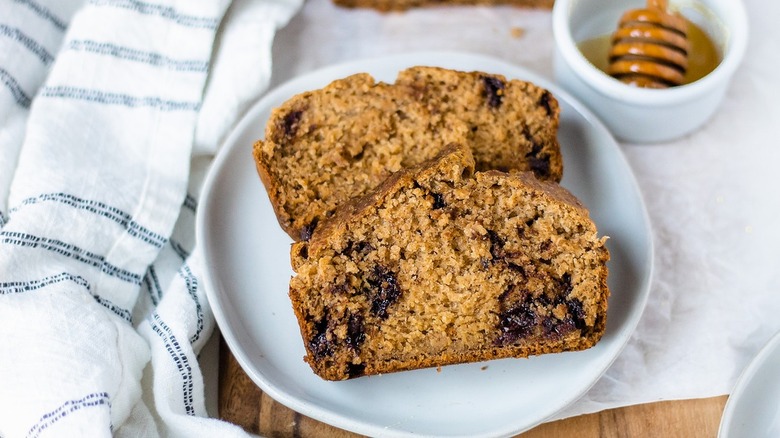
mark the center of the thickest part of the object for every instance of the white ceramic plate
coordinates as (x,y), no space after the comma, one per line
(753,408)
(248,271)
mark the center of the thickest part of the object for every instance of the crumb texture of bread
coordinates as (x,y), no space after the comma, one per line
(323,147)
(402,5)
(441,264)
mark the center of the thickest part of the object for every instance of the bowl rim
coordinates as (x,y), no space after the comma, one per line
(736,29)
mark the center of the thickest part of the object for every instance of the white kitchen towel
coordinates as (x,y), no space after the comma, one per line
(110,111)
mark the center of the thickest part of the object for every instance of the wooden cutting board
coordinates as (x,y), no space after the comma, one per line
(241,402)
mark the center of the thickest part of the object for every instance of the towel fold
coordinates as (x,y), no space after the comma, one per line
(110,112)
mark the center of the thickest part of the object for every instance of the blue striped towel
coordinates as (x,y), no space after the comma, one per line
(110,113)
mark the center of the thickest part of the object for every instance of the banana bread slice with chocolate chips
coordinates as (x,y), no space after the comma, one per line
(325,146)
(439,265)
(512,125)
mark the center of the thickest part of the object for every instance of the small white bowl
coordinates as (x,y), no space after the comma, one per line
(646,115)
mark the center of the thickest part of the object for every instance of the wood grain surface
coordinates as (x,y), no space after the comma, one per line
(242,403)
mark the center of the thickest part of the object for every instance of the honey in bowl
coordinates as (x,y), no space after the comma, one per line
(703,55)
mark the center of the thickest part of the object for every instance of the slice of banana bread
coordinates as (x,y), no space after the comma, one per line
(440,266)
(512,125)
(402,5)
(323,147)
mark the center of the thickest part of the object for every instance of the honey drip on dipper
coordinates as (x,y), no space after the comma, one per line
(650,47)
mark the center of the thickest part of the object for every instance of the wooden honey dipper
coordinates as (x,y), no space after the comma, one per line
(650,47)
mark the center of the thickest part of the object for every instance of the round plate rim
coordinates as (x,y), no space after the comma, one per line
(436,58)
(737,396)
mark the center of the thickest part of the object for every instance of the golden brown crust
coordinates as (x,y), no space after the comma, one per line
(272,189)
(440,266)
